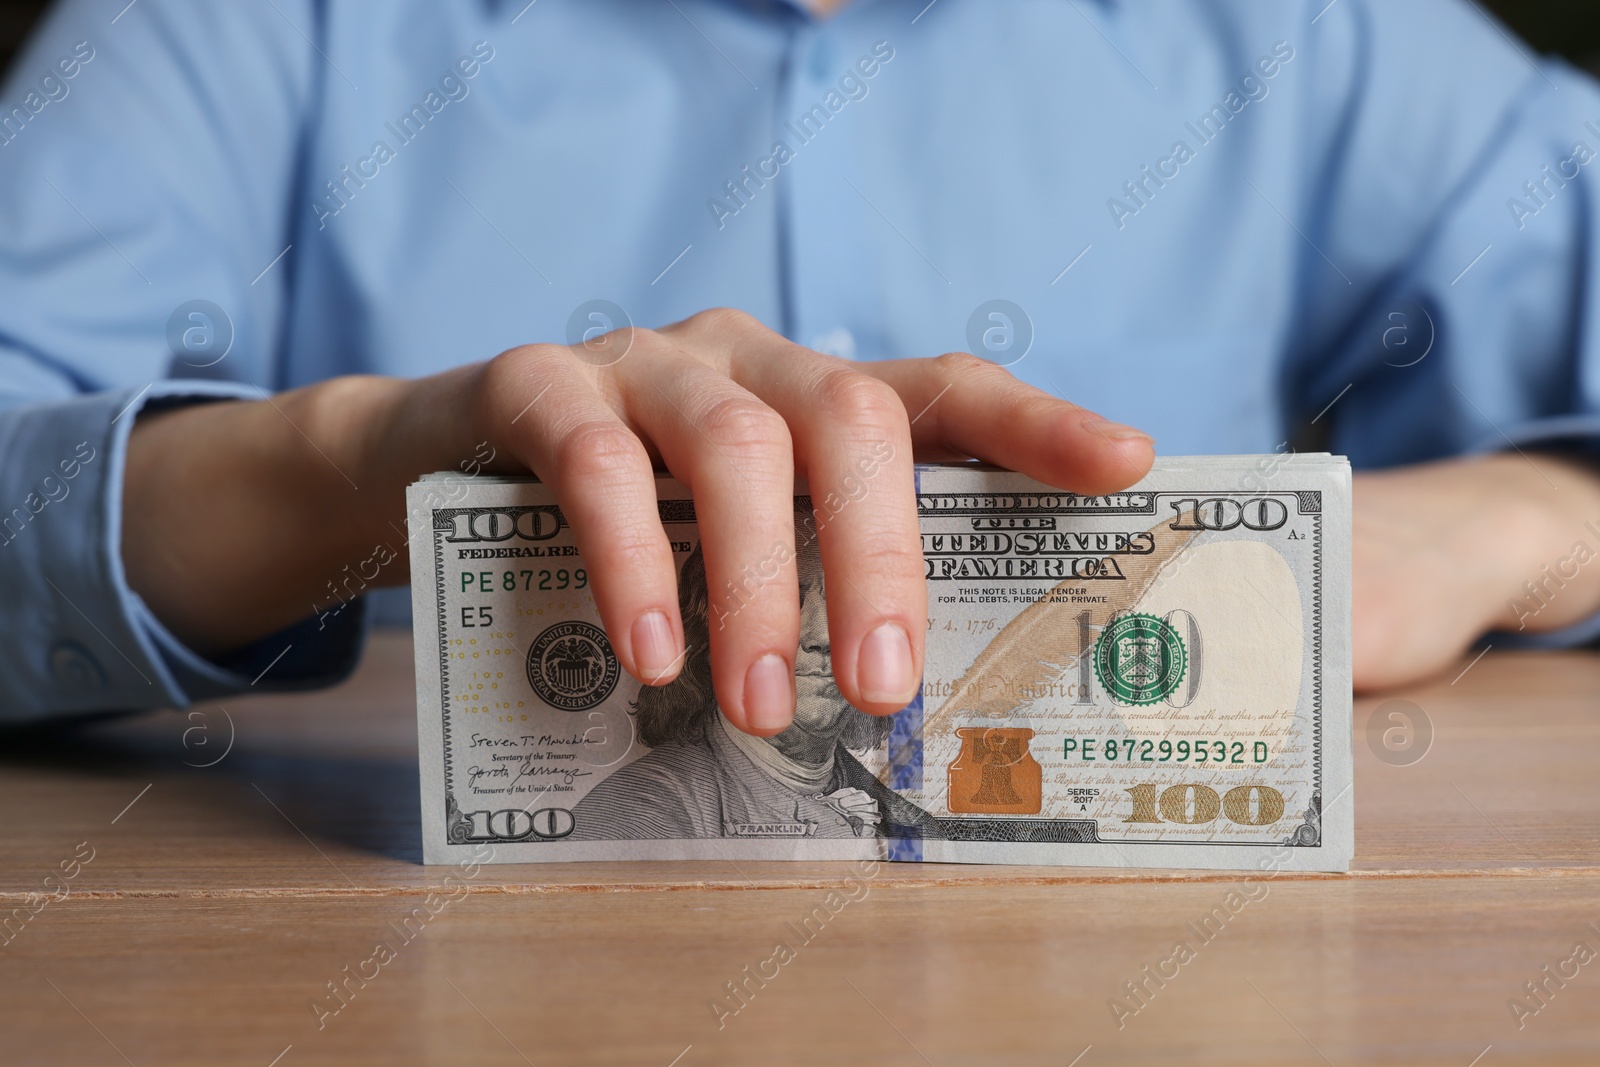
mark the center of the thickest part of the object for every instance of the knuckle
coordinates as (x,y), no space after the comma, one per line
(642,336)
(859,398)
(501,376)
(744,423)
(720,319)
(889,559)
(958,367)
(636,553)
(535,355)
(516,376)
(517,367)
(962,371)
(599,451)
(606,355)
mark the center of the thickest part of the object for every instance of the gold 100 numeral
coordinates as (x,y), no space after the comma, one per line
(1192,804)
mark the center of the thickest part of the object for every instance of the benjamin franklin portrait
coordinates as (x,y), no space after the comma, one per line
(705,778)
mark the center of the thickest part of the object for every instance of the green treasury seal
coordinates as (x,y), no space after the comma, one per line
(1140,659)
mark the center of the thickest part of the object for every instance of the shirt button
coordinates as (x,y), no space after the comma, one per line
(74,669)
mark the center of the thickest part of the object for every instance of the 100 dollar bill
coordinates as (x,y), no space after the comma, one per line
(1157,677)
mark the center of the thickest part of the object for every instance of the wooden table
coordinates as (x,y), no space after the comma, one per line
(221,901)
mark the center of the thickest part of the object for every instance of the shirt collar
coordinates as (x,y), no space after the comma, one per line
(801,8)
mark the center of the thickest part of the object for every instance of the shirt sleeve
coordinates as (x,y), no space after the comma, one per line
(146,174)
(1451,216)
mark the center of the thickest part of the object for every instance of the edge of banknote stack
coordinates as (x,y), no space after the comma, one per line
(1154,678)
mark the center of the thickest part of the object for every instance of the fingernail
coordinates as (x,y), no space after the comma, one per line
(884,671)
(769,694)
(1116,431)
(655,648)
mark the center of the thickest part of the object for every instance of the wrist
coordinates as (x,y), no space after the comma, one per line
(337,487)
(241,518)
(376,436)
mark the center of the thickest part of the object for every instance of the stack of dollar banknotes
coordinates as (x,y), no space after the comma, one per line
(1154,678)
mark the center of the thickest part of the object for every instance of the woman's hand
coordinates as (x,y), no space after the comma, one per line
(1442,552)
(240,518)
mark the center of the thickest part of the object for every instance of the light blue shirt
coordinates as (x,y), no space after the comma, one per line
(1220,219)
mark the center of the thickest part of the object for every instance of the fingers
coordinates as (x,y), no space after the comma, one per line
(735,454)
(853,443)
(602,474)
(734,410)
(965,406)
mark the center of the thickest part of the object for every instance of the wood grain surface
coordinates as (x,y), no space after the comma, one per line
(221,901)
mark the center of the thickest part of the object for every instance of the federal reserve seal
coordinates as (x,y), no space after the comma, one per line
(1140,659)
(571,666)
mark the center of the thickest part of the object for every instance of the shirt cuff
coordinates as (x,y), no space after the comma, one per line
(1567,433)
(74,638)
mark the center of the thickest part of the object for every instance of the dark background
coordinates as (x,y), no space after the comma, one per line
(1570,27)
